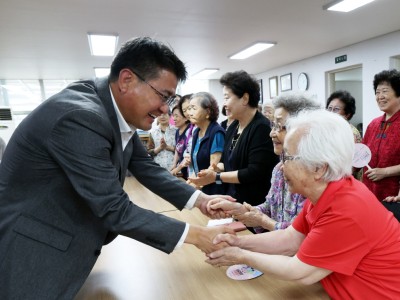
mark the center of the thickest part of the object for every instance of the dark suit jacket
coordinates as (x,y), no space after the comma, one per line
(61,195)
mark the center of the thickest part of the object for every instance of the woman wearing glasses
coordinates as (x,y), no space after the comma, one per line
(248,157)
(343,237)
(280,206)
(344,104)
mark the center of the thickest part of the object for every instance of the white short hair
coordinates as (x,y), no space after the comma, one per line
(327,139)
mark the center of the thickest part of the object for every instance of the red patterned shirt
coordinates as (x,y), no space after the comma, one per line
(383,138)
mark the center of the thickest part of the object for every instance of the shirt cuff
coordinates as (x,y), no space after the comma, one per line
(183,237)
(189,205)
(192,199)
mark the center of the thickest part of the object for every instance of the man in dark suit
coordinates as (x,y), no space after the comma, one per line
(2,147)
(62,175)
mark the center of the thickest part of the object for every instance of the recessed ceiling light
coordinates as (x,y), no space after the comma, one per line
(102,44)
(101,72)
(346,5)
(252,50)
(204,73)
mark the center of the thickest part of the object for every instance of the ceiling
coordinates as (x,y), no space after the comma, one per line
(46,39)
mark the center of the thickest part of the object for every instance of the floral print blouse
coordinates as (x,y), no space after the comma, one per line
(280,204)
(165,158)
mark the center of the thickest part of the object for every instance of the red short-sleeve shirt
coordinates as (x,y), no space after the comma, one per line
(350,233)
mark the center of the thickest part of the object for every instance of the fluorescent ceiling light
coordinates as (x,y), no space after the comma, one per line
(102,72)
(346,5)
(204,73)
(102,44)
(252,50)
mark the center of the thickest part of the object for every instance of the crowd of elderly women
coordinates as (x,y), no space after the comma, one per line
(291,174)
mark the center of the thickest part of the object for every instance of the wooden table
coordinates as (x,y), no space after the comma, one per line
(127,269)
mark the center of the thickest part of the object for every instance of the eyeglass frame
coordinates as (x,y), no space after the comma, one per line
(285,158)
(277,127)
(166,99)
(334,109)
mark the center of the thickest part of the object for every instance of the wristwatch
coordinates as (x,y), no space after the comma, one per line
(218,178)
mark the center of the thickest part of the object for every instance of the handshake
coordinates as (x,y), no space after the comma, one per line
(217,240)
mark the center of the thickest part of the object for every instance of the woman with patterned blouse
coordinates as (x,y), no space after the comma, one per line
(182,126)
(161,143)
(280,206)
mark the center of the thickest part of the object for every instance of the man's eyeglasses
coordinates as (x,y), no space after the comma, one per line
(334,109)
(285,157)
(277,127)
(166,99)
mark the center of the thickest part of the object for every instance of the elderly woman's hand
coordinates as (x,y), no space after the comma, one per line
(252,217)
(186,161)
(376,174)
(392,199)
(204,177)
(226,256)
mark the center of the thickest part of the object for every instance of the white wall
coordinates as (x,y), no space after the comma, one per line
(355,89)
(374,56)
(215,88)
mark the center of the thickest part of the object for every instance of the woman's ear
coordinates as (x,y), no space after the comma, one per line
(320,172)
(245,98)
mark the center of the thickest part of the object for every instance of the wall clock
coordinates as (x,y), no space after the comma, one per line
(302,82)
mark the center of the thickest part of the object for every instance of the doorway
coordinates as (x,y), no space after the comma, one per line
(349,79)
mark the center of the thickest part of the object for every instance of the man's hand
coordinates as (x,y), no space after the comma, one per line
(228,207)
(229,255)
(203,237)
(202,204)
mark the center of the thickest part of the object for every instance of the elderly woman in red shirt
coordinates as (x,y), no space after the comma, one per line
(343,237)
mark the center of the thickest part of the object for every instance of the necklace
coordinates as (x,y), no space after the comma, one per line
(235,138)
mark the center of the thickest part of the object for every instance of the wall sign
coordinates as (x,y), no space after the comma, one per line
(340,59)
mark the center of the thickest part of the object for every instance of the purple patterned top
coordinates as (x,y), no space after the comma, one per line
(280,204)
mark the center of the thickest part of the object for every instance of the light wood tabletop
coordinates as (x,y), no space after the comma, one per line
(127,269)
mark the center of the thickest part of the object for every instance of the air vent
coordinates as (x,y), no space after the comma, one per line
(5,114)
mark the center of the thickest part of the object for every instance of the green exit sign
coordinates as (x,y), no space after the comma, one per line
(340,59)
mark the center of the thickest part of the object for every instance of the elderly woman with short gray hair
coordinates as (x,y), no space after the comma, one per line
(343,237)
(208,138)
